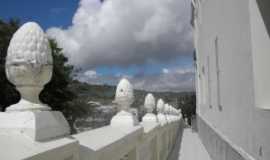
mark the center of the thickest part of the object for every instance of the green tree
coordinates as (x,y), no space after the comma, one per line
(187,103)
(8,94)
(57,92)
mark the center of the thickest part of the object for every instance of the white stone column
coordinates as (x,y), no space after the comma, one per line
(124,97)
(174,120)
(162,138)
(166,112)
(149,105)
(160,109)
(175,114)
(170,114)
(29,67)
(169,127)
(179,113)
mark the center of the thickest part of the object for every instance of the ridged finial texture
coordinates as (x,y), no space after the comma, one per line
(124,94)
(149,103)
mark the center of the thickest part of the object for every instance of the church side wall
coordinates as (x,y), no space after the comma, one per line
(230,125)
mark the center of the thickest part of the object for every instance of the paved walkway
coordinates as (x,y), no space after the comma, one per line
(189,147)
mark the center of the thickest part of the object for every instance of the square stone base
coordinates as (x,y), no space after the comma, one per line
(36,125)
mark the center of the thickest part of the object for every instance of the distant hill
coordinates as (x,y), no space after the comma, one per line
(88,92)
(105,94)
(95,99)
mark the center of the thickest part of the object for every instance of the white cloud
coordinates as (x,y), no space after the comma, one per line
(90,74)
(165,71)
(184,70)
(174,80)
(126,32)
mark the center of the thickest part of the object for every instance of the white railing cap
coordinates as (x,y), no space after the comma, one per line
(29,65)
(124,95)
(149,103)
(160,106)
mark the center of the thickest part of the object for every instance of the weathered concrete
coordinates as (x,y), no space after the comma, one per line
(192,147)
(232,51)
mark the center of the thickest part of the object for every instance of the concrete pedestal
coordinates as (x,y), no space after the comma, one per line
(123,119)
(37,125)
(149,118)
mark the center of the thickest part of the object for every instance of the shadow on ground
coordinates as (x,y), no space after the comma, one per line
(175,154)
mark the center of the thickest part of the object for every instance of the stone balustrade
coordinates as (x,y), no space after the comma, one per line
(30,130)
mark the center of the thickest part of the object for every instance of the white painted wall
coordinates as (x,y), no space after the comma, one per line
(260,56)
(238,119)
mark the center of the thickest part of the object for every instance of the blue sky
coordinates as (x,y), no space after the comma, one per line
(156,68)
(47,13)
(143,49)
